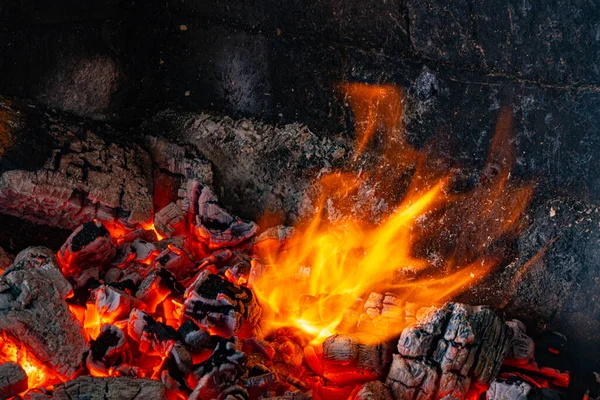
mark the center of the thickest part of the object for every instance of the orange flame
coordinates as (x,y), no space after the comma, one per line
(38,374)
(330,263)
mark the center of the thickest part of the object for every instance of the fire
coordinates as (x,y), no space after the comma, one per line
(433,245)
(38,375)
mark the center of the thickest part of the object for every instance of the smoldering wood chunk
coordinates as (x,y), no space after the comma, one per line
(455,346)
(89,245)
(196,338)
(222,370)
(351,359)
(113,388)
(177,167)
(506,390)
(412,379)
(170,220)
(109,350)
(177,261)
(176,368)
(219,305)
(112,304)
(157,286)
(216,227)
(154,337)
(75,170)
(43,261)
(6,260)
(33,311)
(522,346)
(375,390)
(13,380)
(383,315)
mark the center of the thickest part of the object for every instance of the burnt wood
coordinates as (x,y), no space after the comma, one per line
(34,312)
(449,351)
(13,380)
(87,387)
(58,171)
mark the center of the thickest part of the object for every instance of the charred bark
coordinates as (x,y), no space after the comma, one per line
(448,352)
(62,172)
(33,311)
(87,387)
(13,380)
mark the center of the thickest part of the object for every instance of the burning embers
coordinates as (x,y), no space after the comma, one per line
(338,308)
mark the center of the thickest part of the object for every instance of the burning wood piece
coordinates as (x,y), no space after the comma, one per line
(272,240)
(177,261)
(176,368)
(170,221)
(196,338)
(33,311)
(383,315)
(219,305)
(216,227)
(13,380)
(89,245)
(112,304)
(73,176)
(450,351)
(221,371)
(144,251)
(42,260)
(158,285)
(6,260)
(113,388)
(178,168)
(506,390)
(154,338)
(349,359)
(375,390)
(522,348)
(108,351)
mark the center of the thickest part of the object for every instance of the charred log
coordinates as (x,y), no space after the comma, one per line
(87,387)
(13,380)
(62,172)
(33,311)
(42,260)
(375,390)
(450,351)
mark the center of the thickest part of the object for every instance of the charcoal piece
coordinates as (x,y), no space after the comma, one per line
(178,168)
(383,315)
(196,338)
(112,304)
(449,351)
(43,261)
(13,380)
(154,337)
(177,261)
(158,285)
(234,393)
(222,370)
(216,227)
(71,175)
(352,359)
(33,311)
(522,347)
(219,305)
(89,245)
(176,368)
(375,390)
(507,390)
(143,250)
(170,220)
(109,350)
(113,388)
